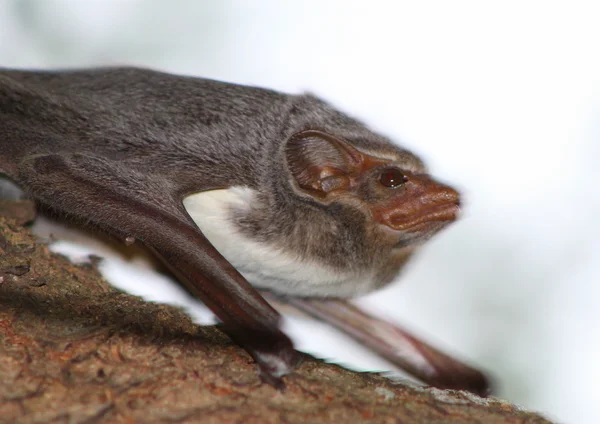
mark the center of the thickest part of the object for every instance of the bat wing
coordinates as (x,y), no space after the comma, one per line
(128,204)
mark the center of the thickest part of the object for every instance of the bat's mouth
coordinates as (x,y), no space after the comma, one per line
(427,219)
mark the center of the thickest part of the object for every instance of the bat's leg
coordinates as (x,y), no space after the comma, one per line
(398,346)
(130,204)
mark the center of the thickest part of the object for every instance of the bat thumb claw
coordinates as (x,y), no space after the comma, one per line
(275,365)
(272,350)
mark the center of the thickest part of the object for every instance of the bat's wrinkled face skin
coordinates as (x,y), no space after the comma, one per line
(349,222)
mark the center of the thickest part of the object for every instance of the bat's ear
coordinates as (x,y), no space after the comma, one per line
(320,162)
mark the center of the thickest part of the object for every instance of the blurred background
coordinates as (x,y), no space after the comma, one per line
(500,98)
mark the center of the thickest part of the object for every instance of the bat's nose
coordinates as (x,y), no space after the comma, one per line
(431,192)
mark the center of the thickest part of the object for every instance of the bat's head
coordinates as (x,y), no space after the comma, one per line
(401,203)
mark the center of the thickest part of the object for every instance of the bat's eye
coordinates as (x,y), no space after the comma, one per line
(392,178)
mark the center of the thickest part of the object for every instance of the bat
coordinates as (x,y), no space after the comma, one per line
(234,188)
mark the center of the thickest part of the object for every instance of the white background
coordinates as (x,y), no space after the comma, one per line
(500,98)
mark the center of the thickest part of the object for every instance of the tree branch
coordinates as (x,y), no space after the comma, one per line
(74,349)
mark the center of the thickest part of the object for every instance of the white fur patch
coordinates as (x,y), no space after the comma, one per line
(262,264)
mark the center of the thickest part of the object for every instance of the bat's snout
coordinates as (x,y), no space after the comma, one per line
(422,204)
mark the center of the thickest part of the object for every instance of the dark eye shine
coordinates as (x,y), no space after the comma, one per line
(392,178)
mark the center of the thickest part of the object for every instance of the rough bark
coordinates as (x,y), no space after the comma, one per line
(75,350)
